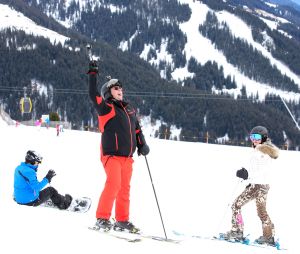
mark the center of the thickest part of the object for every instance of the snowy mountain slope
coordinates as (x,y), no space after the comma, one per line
(195,183)
(70,20)
(292,3)
(197,46)
(15,20)
(202,49)
(297,2)
(161,48)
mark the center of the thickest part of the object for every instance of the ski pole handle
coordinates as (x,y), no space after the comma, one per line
(89,51)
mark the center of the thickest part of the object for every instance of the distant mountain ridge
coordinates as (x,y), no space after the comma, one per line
(291,3)
(156,60)
(152,29)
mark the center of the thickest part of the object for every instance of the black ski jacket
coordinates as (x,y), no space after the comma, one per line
(121,132)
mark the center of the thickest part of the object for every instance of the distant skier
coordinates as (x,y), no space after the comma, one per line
(29,191)
(260,168)
(121,134)
(57,129)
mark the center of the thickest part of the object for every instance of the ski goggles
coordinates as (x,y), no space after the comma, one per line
(113,83)
(255,137)
(117,88)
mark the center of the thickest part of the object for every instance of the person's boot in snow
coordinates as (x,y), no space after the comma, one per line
(126,226)
(234,236)
(266,240)
(103,224)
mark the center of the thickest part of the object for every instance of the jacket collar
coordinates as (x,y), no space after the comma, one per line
(119,103)
(34,167)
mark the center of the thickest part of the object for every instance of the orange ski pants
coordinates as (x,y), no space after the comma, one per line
(118,171)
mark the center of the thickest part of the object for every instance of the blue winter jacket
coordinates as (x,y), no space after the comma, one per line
(26,185)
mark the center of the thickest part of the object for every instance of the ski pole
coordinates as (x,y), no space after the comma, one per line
(89,51)
(162,222)
(228,204)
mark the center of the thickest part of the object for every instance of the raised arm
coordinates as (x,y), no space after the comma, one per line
(103,107)
(93,91)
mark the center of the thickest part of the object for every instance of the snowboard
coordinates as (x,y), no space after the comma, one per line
(78,205)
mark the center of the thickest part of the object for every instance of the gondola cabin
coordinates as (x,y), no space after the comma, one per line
(25,105)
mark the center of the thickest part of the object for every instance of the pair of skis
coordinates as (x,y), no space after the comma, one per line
(220,237)
(138,237)
(133,237)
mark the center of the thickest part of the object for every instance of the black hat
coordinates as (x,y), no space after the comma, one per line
(262,131)
(32,157)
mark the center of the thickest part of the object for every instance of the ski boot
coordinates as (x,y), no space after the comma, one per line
(233,236)
(103,225)
(126,226)
(66,202)
(266,240)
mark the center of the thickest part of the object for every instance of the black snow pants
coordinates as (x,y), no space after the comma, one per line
(49,193)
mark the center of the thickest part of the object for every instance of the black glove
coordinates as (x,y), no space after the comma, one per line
(93,68)
(142,147)
(242,173)
(50,174)
(143,150)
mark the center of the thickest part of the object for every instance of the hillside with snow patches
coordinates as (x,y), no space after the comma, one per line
(197,46)
(195,185)
(10,18)
(203,50)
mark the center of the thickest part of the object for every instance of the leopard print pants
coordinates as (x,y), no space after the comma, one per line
(258,192)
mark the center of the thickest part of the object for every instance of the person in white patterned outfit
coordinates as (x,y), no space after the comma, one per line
(258,176)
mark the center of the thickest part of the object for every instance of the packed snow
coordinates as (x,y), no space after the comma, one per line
(195,184)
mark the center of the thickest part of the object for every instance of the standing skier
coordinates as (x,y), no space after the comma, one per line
(29,191)
(57,129)
(121,134)
(260,167)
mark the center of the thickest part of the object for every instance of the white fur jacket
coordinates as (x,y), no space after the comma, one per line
(260,167)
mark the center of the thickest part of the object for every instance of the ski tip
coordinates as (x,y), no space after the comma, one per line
(221,236)
(176,232)
(246,241)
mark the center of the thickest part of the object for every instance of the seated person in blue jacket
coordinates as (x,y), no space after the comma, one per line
(28,190)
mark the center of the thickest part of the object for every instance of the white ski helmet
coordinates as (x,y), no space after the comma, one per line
(105,89)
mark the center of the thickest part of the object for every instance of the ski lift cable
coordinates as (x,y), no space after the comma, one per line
(150,94)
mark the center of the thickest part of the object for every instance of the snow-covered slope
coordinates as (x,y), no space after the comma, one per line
(195,185)
(10,18)
(203,50)
(197,46)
